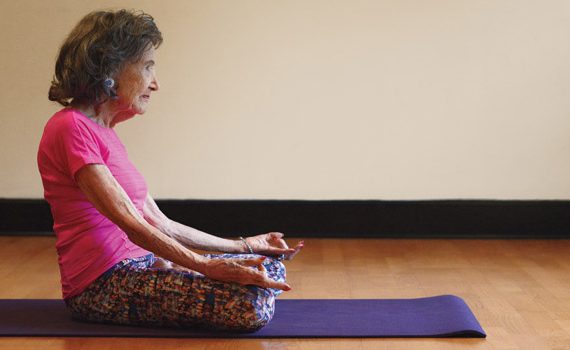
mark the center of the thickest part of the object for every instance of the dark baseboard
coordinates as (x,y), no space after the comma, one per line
(337,218)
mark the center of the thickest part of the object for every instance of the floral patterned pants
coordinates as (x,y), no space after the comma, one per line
(135,293)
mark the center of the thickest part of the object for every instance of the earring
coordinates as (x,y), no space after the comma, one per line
(109,83)
(108,87)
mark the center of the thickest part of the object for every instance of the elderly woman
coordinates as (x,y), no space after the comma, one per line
(121,259)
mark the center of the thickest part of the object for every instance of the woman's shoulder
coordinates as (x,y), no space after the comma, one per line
(70,120)
(66,116)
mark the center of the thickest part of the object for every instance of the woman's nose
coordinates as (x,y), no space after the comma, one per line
(154,85)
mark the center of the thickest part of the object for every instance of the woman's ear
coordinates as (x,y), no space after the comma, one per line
(110,88)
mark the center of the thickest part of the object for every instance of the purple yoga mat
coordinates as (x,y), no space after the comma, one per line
(440,316)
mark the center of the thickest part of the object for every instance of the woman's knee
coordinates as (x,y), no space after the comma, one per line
(257,316)
(275,269)
(253,311)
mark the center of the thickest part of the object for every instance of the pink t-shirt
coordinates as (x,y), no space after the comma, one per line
(88,243)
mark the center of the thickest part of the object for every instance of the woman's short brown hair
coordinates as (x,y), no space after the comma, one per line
(96,49)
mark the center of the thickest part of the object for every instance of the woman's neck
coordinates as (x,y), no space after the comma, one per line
(101,114)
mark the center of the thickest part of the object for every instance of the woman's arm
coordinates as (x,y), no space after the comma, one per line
(271,243)
(107,195)
(188,236)
(103,190)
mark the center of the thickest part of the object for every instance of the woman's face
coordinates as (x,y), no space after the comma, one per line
(135,83)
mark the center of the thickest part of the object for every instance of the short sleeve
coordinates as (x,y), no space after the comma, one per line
(79,144)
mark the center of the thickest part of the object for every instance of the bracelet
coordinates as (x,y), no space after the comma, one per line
(247,245)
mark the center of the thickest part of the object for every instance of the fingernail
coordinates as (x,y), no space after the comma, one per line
(262,258)
(288,288)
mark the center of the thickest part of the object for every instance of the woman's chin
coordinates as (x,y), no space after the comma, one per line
(141,108)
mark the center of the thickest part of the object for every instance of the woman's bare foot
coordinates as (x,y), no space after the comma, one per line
(161,263)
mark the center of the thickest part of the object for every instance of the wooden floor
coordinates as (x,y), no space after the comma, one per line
(518,289)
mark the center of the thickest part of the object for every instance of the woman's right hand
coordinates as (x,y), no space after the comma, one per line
(240,271)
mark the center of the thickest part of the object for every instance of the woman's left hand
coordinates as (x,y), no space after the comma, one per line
(272,243)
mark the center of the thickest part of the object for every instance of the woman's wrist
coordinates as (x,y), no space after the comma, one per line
(237,247)
(248,248)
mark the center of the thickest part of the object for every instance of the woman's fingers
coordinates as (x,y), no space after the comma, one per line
(279,251)
(269,283)
(276,234)
(272,243)
(260,277)
(277,239)
(251,262)
(296,250)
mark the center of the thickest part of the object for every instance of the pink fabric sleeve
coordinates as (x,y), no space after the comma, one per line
(79,146)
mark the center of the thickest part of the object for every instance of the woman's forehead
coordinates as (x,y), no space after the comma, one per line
(148,54)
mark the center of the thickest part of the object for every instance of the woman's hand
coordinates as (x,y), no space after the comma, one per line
(272,243)
(240,271)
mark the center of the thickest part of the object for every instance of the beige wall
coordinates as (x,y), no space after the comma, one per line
(392,99)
